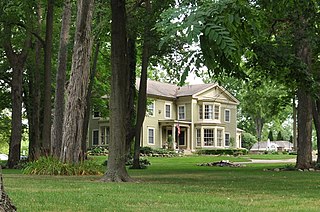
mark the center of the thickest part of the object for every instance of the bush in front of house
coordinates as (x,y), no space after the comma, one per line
(150,152)
(96,151)
(52,166)
(234,152)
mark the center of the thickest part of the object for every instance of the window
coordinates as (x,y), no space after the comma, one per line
(227,115)
(227,139)
(105,135)
(219,137)
(181,112)
(150,135)
(150,108)
(198,137)
(167,110)
(200,112)
(208,137)
(216,112)
(208,112)
(95,137)
(96,114)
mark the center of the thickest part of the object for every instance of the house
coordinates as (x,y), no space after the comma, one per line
(272,146)
(189,117)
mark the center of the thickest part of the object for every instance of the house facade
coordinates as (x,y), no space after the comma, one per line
(189,117)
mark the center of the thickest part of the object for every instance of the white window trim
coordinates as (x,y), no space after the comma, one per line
(225,139)
(165,111)
(154,135)
(225,115)
(98,137)
(184,112)
(154,109)
(213,111)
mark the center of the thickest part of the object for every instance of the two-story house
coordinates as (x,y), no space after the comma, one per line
(192,116)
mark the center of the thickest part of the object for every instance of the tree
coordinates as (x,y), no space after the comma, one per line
(116,170)
(16,54)
(46,130)
(279,136)
(56,132)
(78,85)
(270,135)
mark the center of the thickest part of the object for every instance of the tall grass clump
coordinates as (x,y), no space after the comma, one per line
(52,166)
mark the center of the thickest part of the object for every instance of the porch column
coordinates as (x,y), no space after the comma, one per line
(174,136)
(160,136)
(188,139)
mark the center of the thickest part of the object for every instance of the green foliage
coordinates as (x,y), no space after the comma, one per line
(98,151)
(279,136)
(235,152)
(52,166)
(248,140)
(145,150)
(270,135)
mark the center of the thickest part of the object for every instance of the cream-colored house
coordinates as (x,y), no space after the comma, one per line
(194,116)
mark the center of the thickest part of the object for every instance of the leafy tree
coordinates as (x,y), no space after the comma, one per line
(248,140)
(279,136)
(270,136)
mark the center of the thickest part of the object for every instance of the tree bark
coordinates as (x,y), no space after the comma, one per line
(35,143)
(46,130)
(57,127)
(116,170)
(17,62)
(88,100)
(78,86)
(259,126)
(303,52)
(142,98)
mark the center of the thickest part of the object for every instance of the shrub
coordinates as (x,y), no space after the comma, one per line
(52,166)
(100,150)
(235,152)
(144,163)
(145,150)
(248,140)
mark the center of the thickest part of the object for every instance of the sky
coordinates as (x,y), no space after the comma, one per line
(192,79)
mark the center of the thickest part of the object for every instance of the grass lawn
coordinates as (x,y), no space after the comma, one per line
(171,184)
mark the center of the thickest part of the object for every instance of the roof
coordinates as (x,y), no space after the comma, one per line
(172,91)
(264,144)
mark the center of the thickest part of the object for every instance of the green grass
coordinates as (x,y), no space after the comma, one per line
(171,184)
(270,156)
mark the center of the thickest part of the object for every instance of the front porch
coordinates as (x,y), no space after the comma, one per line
(175,134)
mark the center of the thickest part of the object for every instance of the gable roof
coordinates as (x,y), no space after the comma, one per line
(173,91)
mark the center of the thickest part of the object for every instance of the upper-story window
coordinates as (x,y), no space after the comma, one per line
(200,112)
(181,112)
(217,112)
(227,115)
(208,111)
(150,108)
(167,110)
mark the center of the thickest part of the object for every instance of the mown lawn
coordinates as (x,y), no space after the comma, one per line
(171,184)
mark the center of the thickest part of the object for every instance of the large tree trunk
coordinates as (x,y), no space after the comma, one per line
(78,86)
(303,52)
(17,62)
(119,101)
(88,100)
(56,131)
(142,99)
(34,143)
(46,130)
(132,62)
